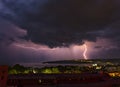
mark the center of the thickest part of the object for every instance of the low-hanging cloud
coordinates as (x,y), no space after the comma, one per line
(61,22)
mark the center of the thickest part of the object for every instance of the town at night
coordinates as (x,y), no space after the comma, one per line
(59,43)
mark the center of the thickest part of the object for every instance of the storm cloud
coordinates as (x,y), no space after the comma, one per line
(62,22)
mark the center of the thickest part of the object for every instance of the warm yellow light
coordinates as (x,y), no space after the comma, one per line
(116,74)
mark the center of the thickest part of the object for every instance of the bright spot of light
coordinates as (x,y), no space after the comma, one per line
(85,51)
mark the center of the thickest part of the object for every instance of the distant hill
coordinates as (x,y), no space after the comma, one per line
(82,61)
(69,61)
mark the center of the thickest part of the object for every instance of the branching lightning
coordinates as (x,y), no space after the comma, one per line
(34,47)
(85,51)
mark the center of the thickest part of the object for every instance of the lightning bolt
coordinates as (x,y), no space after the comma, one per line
(85,51)
(32,48)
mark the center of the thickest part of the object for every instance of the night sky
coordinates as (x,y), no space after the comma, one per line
(33,31)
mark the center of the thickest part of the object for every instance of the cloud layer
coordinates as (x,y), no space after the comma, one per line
(62,22)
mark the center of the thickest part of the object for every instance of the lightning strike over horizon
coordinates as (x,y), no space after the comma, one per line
(85,51)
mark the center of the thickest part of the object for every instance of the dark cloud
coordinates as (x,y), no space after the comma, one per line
(98,47)
(9,33)
(63,22)
(11,54)
(111,32)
